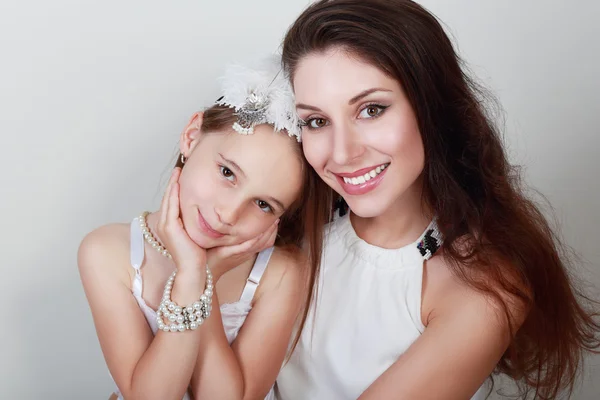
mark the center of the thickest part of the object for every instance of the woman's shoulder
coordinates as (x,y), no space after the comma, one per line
(449,288)
(104,251)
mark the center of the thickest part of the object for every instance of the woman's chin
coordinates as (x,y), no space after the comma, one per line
(365,209)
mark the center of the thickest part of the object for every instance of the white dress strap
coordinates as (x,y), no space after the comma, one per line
(260,265)
(136,255)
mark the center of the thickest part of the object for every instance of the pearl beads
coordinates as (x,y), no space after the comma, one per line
(171,317)
(180,319)
(150,237)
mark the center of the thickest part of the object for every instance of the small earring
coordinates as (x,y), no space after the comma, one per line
(183,158)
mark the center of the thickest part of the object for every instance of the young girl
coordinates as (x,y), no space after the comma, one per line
(443,271)
(241,185)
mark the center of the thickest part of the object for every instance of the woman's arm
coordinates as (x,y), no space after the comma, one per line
(248,368)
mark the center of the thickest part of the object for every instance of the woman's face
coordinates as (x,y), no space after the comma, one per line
(233,187)
(361,134)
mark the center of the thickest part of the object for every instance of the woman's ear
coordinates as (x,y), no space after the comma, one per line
(191,134)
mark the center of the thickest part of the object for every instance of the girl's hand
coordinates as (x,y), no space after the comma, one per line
(188,256)
(224,258)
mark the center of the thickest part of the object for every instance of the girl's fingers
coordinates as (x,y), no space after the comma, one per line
(173,204)
(243,247)
(269,239)
(263,240)
(164,205)
(250,246)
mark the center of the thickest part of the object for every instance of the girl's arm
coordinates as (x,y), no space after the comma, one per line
(248,368)
(142,366)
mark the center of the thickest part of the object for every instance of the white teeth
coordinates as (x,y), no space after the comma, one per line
(366,177)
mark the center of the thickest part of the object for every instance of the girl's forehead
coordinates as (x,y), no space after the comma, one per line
(268,161)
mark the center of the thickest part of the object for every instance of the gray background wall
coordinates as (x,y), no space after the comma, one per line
(94,94)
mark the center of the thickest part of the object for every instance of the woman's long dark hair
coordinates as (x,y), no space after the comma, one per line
(468,182)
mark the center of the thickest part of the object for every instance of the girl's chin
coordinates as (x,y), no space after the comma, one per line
(208,243)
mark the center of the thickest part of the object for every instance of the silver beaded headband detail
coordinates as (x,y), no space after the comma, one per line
(260,94)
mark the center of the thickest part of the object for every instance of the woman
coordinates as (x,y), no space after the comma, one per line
(443,271)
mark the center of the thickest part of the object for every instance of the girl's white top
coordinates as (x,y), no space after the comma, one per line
(233,314)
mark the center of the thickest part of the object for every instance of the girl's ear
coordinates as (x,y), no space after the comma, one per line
(191,134)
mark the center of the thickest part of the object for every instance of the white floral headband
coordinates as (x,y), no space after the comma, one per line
(260,95)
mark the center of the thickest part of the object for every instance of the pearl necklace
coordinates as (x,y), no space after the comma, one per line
(150,237)
(177,318)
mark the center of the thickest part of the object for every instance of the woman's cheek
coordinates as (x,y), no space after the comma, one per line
(315,151)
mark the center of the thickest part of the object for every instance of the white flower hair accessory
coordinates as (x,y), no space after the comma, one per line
(260,95)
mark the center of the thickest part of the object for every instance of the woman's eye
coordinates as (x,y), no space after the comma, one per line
(316,123)
(371,111)
(264,206)
(227,173)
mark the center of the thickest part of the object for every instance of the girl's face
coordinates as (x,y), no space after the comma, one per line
(232,186)
(361,134)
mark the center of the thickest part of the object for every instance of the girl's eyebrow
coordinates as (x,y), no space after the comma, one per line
(240,171)
(277,202)
(237,168)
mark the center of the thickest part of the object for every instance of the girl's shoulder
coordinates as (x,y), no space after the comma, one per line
(286,268)
(105,252)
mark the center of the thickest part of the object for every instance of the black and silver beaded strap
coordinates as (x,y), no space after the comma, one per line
(431,242)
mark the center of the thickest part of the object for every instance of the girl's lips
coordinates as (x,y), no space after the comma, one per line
(206,228)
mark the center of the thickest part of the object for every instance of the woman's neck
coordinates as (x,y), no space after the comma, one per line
(399,225)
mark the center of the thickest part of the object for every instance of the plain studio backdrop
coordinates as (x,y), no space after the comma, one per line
(93,96)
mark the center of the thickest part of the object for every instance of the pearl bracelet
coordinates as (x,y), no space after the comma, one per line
(171,317)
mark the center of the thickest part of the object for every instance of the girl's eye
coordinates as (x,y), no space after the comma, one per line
(372,111)
(264,206)
(227,173)
(316,123)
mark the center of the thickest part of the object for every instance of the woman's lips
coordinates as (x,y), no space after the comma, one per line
(356,184)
